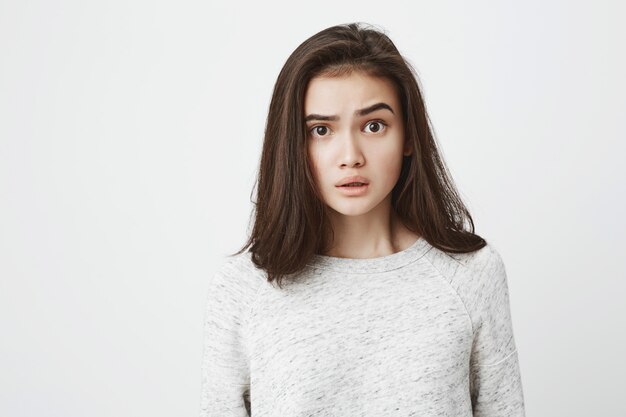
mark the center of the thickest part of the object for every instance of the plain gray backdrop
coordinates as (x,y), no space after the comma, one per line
(130,135)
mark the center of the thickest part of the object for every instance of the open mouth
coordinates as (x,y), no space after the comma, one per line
(354,189)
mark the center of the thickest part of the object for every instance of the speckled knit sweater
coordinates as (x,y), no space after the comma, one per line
(416,333)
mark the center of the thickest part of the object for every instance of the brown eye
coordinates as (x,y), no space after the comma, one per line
(320,130)
(376,126)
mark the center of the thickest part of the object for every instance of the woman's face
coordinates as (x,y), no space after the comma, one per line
(354,127)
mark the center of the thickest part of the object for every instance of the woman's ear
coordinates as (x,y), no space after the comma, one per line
(408,149)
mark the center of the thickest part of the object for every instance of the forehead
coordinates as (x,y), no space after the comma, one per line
(346,93)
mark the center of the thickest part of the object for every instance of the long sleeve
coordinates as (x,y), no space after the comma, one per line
(225,366)
(495,380)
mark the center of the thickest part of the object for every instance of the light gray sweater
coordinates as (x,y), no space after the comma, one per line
(416,333)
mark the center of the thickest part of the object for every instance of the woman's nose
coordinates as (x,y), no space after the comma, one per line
(351,152)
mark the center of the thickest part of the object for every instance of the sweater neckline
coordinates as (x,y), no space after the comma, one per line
(369,265)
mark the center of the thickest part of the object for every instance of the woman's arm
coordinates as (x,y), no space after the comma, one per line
(225,366)
(495,380)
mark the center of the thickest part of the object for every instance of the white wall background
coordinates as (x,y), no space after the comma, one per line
(130,133)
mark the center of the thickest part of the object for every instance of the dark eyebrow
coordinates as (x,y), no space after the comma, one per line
(360,112)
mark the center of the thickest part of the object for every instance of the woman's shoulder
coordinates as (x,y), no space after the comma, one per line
(479,278)
(237,274)
(486,257)
(485,262)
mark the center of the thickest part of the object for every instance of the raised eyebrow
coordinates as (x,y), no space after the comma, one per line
(373,108)
(360,112)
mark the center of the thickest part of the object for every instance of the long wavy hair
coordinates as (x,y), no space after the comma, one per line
(291,223)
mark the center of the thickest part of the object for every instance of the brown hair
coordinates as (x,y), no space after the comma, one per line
(291,222)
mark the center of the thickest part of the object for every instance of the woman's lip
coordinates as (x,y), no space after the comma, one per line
(353,178)
(353,191)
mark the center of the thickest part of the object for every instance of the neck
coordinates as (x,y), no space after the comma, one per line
(373,234)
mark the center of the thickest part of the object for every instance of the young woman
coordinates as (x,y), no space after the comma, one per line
(361,291)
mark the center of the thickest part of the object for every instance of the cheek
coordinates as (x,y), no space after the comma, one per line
(389,162)
(387,156)
(316,158)
(314,163)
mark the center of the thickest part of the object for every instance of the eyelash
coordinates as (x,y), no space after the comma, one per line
(371,121)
